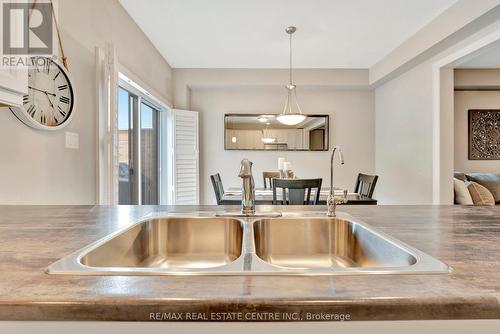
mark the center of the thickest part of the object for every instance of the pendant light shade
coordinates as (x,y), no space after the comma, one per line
(292,114)
(291,119)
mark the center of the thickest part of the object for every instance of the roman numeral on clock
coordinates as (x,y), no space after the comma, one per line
(46,66)
(63,87)
(62,112)
(64,99)
(31,111)
(26,99)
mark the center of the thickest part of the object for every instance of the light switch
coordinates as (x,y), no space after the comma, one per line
(72,140)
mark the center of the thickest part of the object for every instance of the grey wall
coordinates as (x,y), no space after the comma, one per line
(35,166)
(403,145)
(396,141)
(472,98)
(350,109)
(465,100)
(351,121)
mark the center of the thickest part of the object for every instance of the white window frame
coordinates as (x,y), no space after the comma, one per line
(143,96)
(107,148)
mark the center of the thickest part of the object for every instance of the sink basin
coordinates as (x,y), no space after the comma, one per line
(203,244)
(325,243)
(171,243)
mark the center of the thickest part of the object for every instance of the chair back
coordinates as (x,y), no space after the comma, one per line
(365,184)
(269,176)
(296,192)
(218,187)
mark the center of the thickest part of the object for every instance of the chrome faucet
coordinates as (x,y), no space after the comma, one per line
(248,196)
(248,192)
(332,201)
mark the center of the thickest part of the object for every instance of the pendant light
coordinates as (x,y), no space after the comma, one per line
(292,114)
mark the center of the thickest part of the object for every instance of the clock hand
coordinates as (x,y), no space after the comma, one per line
(48,98)
(36,89)
(42,91)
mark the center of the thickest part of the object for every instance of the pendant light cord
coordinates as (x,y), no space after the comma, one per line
(292,118)
(291,59)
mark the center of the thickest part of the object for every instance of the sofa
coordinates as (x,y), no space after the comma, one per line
(482,183)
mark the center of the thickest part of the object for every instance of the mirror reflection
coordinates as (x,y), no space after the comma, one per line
(264,132)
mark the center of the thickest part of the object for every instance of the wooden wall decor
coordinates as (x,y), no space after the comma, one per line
(484,134)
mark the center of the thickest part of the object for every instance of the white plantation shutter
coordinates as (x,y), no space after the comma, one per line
(186,186)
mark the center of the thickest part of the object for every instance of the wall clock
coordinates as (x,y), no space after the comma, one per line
(50,99)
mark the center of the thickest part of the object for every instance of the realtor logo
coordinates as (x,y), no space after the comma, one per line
(26,29)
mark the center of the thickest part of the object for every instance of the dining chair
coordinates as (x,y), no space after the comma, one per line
(218,187)
(269,175)
(296,192)
(365,184)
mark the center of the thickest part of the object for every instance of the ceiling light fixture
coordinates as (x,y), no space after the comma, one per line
(289,116)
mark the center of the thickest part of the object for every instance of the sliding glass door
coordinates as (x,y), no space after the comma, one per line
(149,155)
(124,147)
(138,150)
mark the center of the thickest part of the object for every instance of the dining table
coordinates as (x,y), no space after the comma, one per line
(264,196)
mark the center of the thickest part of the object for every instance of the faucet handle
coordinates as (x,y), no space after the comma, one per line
(245,168)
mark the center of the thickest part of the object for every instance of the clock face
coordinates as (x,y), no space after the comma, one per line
(49,102)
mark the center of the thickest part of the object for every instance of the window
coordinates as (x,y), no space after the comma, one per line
(149,155)
(124,148)
(155,156)
(139,146)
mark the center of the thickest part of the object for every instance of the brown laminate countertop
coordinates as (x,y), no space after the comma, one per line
(466,238)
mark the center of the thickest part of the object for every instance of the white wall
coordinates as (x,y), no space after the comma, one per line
(403,144)
(351,112)
(37,169)
(477,78)
(414,121)
(473,85)
(186,79)
(35,166)
(456,23)
(465,100)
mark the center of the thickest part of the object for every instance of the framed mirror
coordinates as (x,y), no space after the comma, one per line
(264,132)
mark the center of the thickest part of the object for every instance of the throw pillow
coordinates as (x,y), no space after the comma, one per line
(488,180)
(462,195)
(480,195)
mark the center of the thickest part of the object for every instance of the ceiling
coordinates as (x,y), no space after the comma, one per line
(489,58)
(250,34)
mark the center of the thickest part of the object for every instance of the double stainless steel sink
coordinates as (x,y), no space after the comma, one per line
(203,244)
